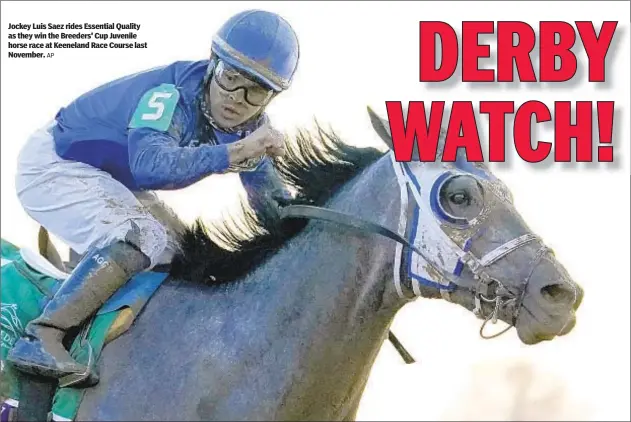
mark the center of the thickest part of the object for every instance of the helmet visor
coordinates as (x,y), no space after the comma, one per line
(230,79)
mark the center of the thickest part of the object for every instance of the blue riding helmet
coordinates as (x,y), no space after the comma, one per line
(260,44)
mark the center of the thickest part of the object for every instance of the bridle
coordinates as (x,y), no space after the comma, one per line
(491,290)
(487,289)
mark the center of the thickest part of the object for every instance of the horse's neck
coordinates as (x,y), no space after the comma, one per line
(336,284)
(355,268)
(339,268)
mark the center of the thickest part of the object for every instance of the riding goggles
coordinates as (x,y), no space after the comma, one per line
(230,79)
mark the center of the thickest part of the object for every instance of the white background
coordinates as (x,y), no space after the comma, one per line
(354,54)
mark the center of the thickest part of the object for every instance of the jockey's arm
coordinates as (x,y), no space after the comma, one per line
(157,161)
(264,181)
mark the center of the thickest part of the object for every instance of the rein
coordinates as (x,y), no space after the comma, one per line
(325,214)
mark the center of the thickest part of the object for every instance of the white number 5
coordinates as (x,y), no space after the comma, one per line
(155,104)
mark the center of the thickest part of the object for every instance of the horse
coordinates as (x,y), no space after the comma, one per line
(280,314)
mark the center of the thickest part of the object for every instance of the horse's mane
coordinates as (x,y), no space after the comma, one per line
(316,165)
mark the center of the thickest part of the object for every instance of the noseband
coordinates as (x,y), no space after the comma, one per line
(491,290)
(486,290)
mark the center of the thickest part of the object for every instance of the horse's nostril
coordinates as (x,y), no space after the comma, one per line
(559,294)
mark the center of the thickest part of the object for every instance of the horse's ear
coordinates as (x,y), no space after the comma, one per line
(381,126)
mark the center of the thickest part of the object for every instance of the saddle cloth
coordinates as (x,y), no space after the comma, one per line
(29,281)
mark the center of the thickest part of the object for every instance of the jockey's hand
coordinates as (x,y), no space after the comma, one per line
(264,140)
(275,142)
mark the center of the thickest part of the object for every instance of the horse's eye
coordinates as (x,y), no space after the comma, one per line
(460,198)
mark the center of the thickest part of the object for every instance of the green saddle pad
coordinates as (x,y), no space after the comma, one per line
(25,292)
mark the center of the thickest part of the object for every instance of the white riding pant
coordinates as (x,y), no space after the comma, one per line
(86,207)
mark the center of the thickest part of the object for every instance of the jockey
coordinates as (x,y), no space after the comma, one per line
(88,176)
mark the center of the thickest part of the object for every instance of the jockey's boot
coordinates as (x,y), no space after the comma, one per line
(96,278)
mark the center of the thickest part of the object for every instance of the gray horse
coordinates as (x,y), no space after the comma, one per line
(285,319)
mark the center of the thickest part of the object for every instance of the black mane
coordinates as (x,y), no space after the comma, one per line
(315,166)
